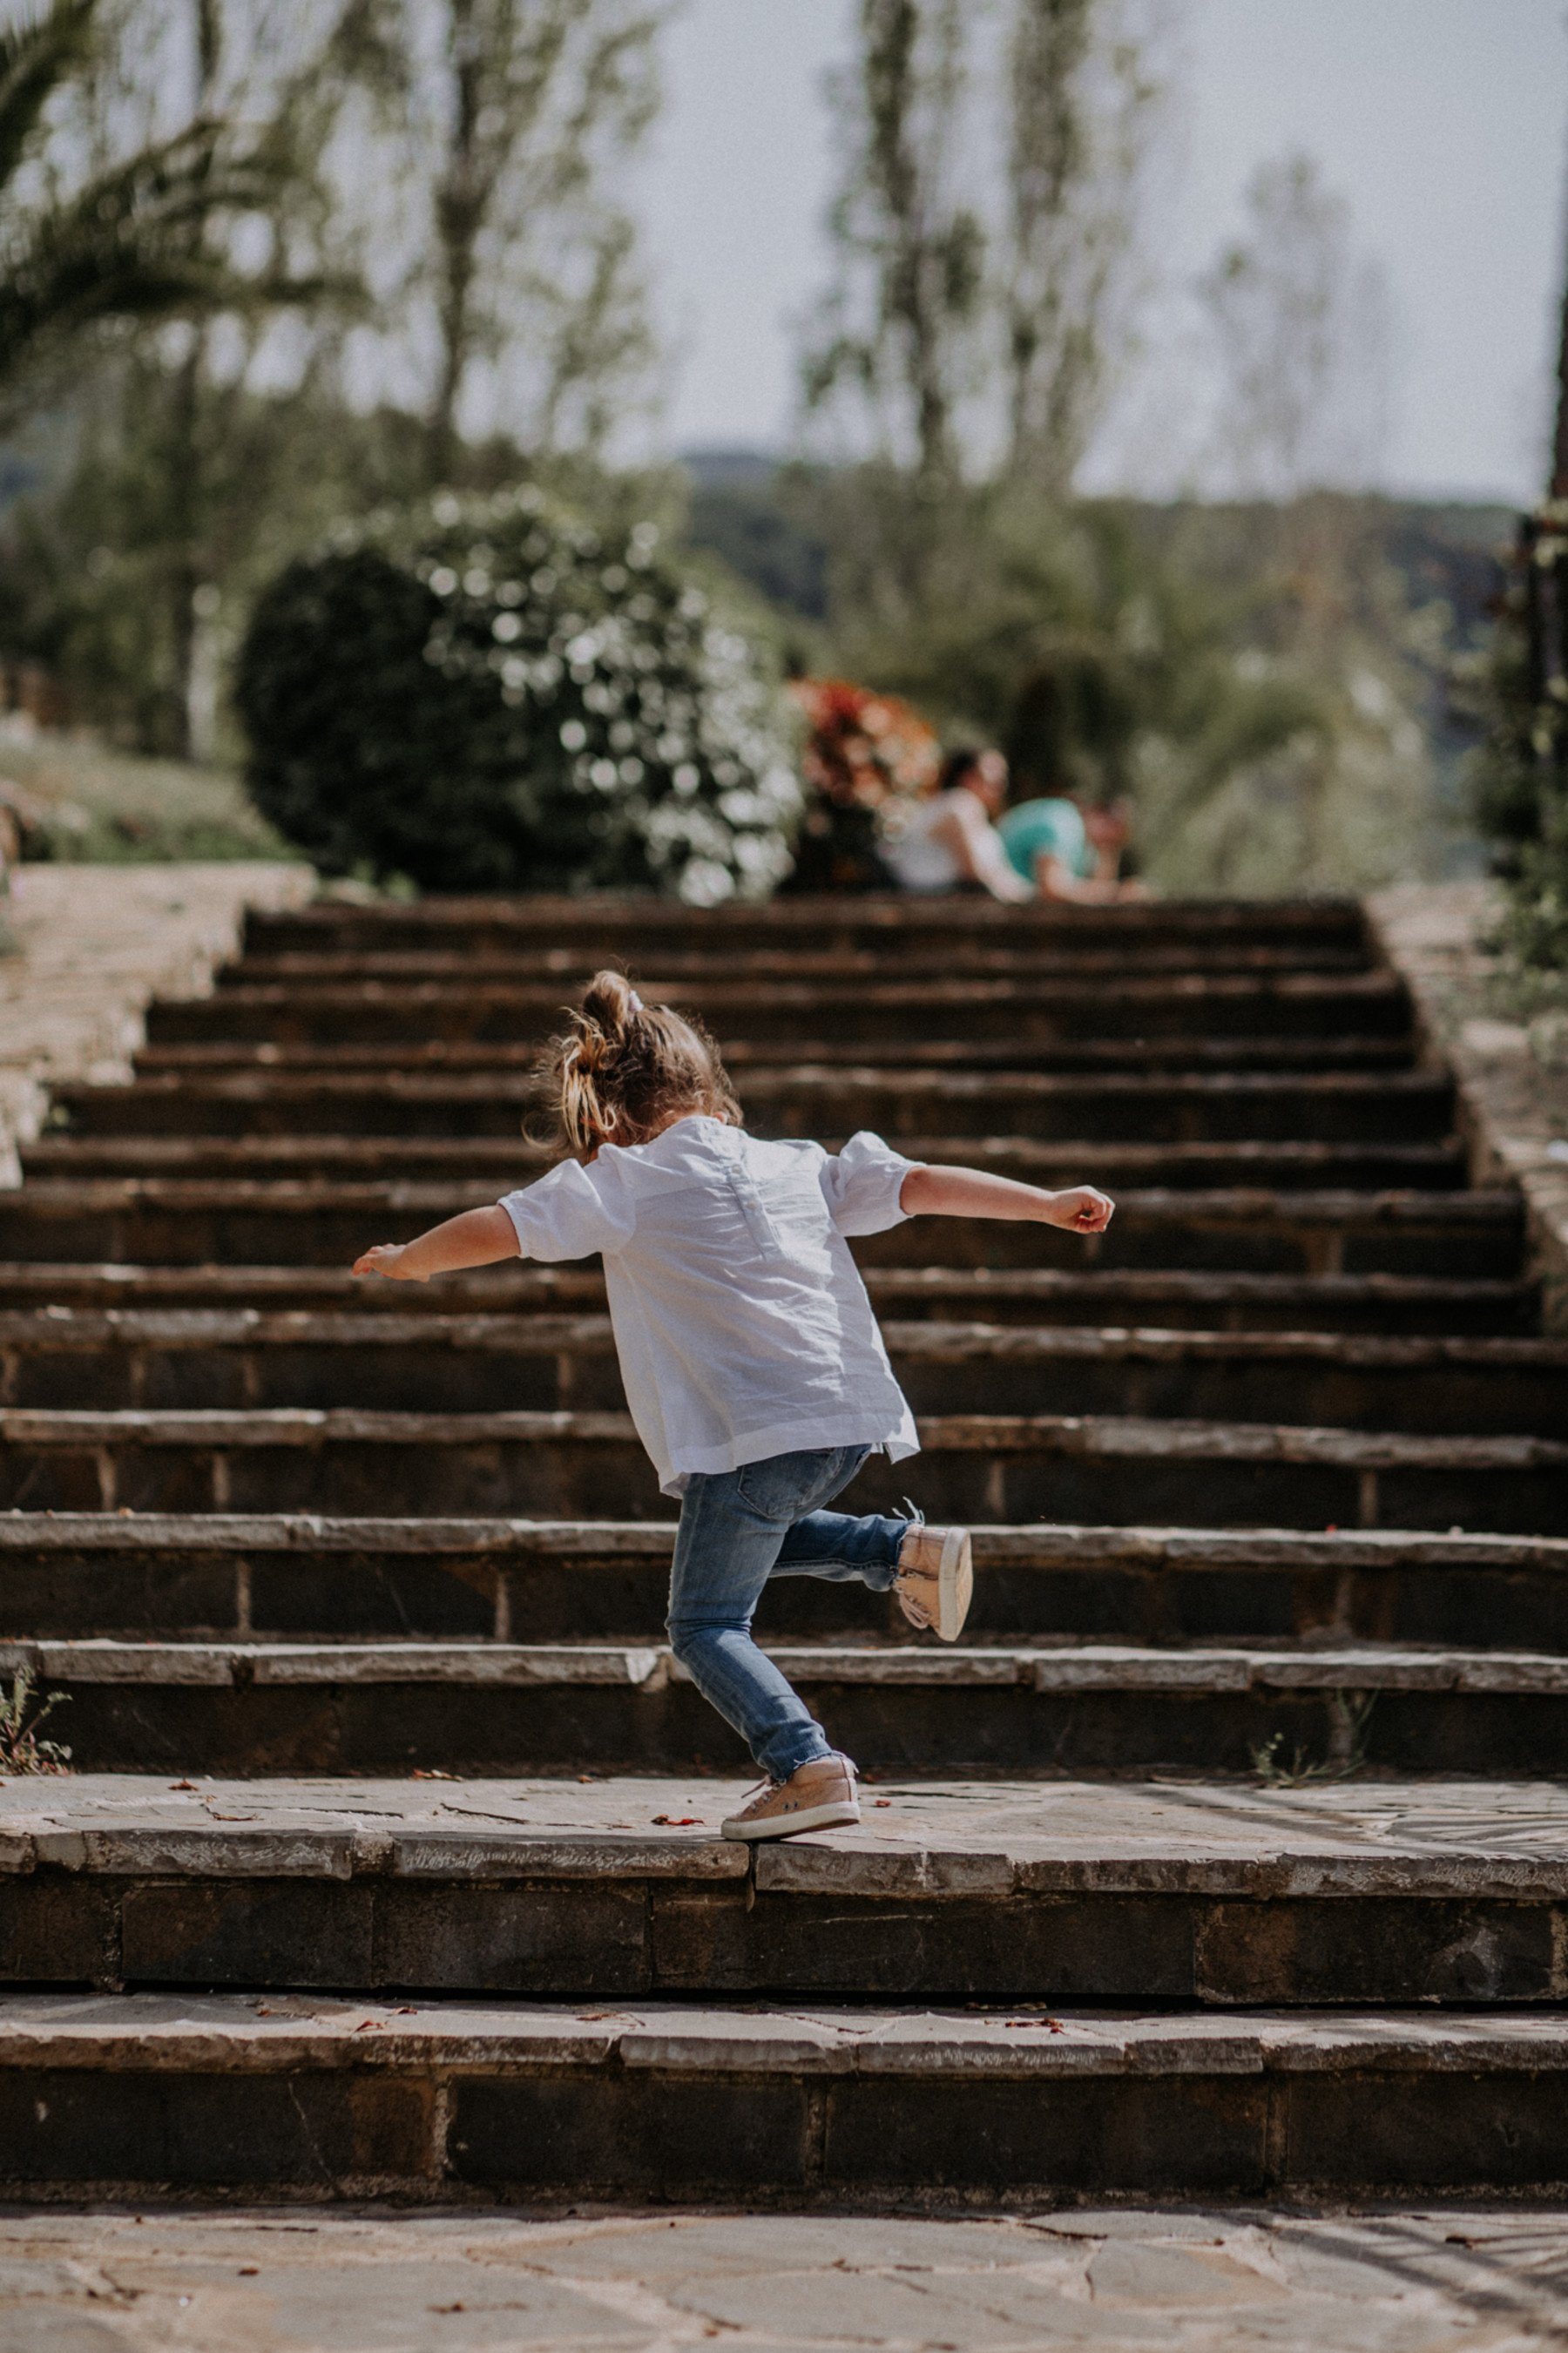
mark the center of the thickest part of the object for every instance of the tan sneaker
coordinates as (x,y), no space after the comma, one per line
(817,1796)
(935,1582)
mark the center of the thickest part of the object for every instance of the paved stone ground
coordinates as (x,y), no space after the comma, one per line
(1214,2281)
(93,944)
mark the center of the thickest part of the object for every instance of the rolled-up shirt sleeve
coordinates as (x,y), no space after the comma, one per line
(862,1182)
(572,1213)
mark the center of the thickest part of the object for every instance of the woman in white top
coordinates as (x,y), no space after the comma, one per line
(949,841)
(754,1367)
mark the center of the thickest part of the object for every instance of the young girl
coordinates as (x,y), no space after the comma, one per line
(753,1367)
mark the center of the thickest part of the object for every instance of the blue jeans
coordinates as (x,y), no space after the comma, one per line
(737,1529)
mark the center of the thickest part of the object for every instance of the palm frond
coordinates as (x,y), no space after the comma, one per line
(132,245)
(34,57)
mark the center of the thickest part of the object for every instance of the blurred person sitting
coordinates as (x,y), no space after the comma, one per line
(1067,849)
(948,842)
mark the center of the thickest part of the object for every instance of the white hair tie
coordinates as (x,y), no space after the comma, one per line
(637,1002)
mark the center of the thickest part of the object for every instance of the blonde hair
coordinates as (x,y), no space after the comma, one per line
(624,1070)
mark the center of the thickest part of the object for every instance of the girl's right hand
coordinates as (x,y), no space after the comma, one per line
(386,1258)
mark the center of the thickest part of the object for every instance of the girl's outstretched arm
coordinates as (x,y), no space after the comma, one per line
(970,1193)
(478,1238)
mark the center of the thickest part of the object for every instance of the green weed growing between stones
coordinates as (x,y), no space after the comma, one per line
(1348,1713)
(21,1750)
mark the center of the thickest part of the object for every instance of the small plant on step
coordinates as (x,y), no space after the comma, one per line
(1348,1713)
(21,1750)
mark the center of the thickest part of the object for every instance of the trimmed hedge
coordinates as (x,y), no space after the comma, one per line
(489,696)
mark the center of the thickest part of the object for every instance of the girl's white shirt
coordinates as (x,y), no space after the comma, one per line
(740,1321)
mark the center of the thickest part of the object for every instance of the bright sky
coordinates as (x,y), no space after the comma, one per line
(1444,123)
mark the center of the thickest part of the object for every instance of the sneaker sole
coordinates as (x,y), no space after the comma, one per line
(955,1584)
(839,1813)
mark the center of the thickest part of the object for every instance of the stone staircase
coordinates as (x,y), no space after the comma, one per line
(1279,1464)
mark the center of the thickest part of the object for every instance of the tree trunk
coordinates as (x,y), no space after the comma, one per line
(459,204)
(184,484)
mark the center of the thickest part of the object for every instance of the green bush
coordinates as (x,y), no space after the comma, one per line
(488,695)
(1520,774)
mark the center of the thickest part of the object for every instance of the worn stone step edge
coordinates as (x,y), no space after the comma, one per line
(1116,1436)
(582,1289)
(1227,1205)
(240,2035)
(59,1330)
(650,1667)
(1046,1546)
(1062,995)
(955,1839)
(166,1057)
(477,1157)
(691,960)
(542,915)
(868,1081)
(888,1286)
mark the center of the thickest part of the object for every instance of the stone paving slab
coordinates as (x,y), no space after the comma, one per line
(96,943)
(960,1838)
(1186,2279)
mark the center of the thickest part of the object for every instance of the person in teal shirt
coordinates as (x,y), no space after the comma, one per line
(1066,850)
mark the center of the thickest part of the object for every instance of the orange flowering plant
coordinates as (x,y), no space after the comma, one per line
(863,748)
(864,756)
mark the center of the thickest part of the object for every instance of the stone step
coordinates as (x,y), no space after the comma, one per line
(912,955)
(425,1363)
(1390,1303)
(171,1221)
(1430,1892)
(1118,1470)
(1310,1004)
(742,1055)
(499,1708)
(505,1161)
(65,1576)
(318,2098)
(1337,1107)
(601,931)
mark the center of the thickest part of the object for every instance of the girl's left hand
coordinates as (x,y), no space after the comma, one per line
(386,1258)
(1083,1210)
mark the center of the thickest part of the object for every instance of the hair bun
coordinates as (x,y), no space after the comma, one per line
(611,1003)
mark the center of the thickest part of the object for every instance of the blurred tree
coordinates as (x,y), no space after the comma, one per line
(516,113)
(1083,104)
(899,326)
(1301,336)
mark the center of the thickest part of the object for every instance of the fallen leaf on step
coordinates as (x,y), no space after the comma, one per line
(182,1785)
(680,1821)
